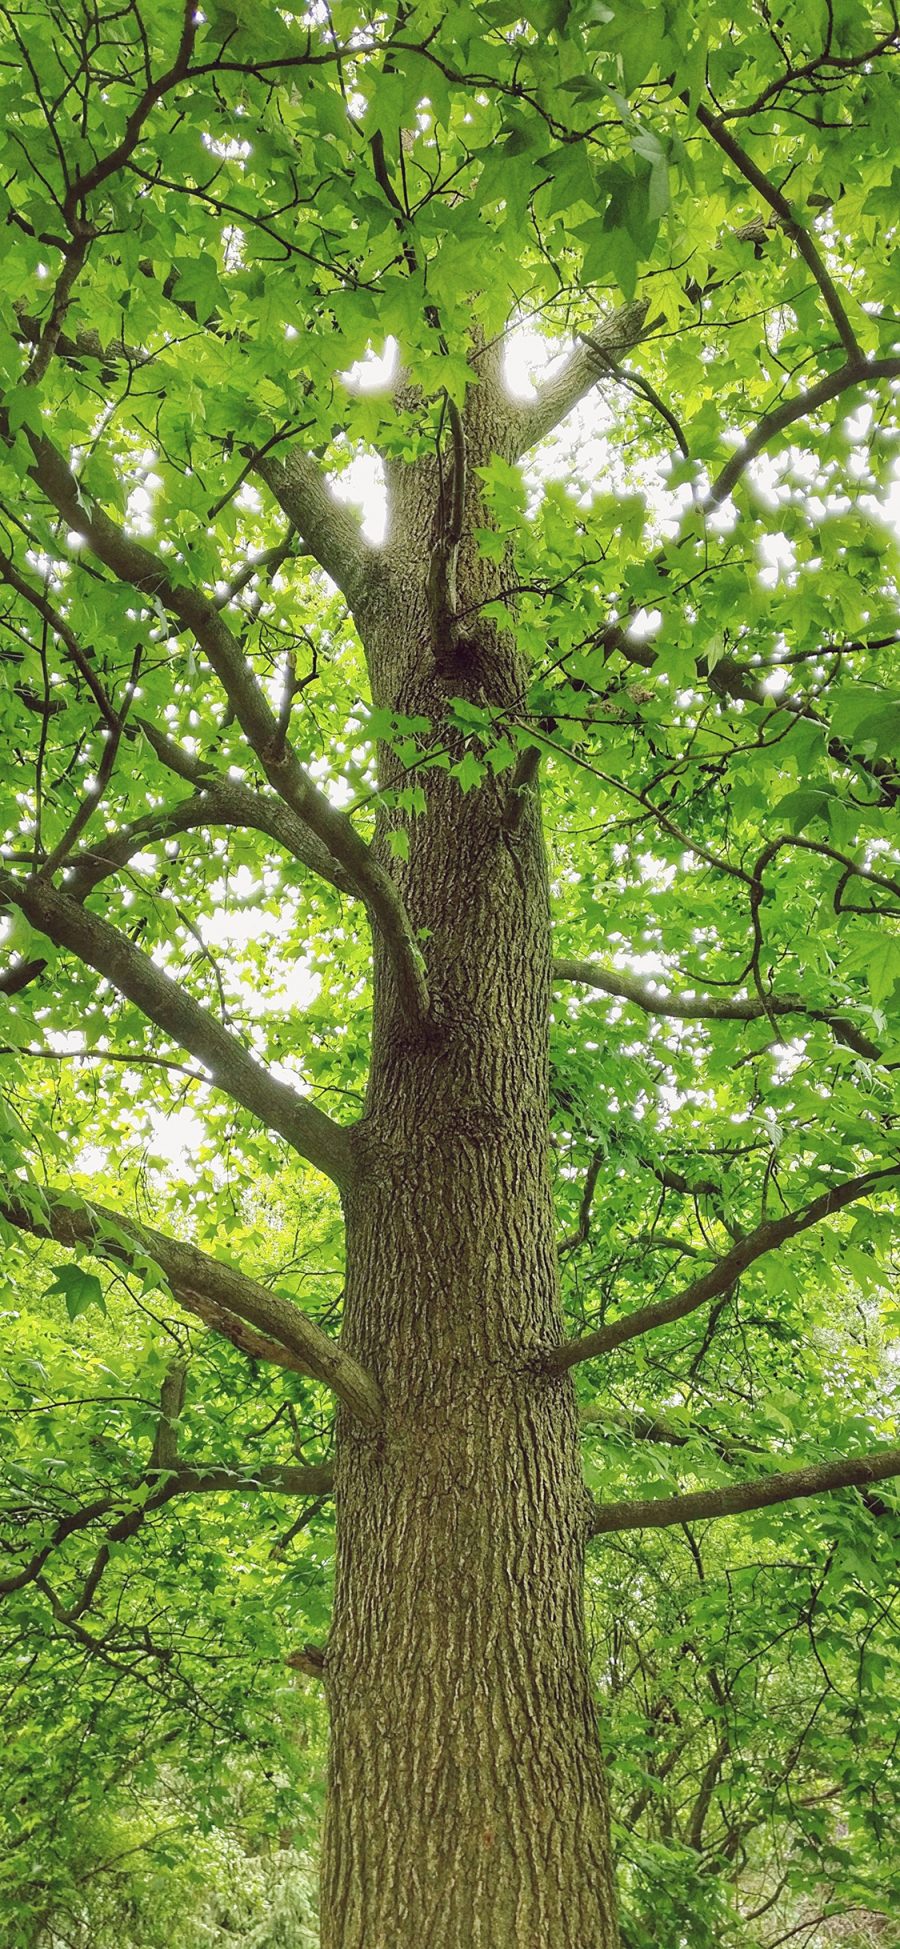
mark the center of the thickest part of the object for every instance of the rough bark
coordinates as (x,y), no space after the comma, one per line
(467,1807)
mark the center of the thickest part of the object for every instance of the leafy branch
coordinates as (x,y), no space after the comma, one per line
(709,1008)
(217,1293)
(164,1478)
(135,565)
(767,1237)
(737,1498)
(166,1002)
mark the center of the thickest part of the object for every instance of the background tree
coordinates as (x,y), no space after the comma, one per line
(251,749)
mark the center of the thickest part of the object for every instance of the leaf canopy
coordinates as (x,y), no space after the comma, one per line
(247,239)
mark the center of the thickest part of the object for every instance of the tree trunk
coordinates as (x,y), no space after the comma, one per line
(466,1804)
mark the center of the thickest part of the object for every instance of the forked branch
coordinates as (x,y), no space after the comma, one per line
(226,802)
(162,1482)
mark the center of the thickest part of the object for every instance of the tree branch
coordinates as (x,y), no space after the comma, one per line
(227,802)
(859,372)
(641,1426)
(729,678)
(49,334)
(164,1454)
(588,362)
(596,356)
(330,529)
(582,1230)
(280,1479)
(165,1477)
(202,1285)
(772,1233)
(779,204)
(255,1345)
(522,787)
(218,802)
(78,656)
(820,1478)
(703,1008)
(138,567)
(85,344)
(166,1002)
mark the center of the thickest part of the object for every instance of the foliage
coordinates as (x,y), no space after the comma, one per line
(210,219)
(139,1873)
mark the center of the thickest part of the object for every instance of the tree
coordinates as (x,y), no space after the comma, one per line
(249,748)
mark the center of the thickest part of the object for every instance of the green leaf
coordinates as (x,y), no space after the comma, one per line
(398,841)
(79,1289)
(883,967)
(469,771)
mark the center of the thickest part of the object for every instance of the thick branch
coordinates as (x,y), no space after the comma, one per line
(164,1454)
(655,1428)
(49,335)
(705,1008)
(523,786)
(767,1237)
(820,1478)
(255,1345)
(330,529)
(85,344)
(166,1002)
(588,362)
(201,1284)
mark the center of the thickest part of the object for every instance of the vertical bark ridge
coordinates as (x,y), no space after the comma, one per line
(467,1805)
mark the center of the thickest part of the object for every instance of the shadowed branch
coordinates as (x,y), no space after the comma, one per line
(202,1285)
